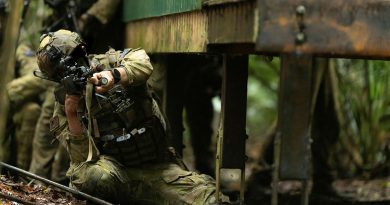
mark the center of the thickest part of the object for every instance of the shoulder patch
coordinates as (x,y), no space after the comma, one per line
(125,52)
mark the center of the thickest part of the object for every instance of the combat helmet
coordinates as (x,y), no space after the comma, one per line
(54,48)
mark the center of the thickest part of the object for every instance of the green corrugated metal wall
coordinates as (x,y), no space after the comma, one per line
(140,9)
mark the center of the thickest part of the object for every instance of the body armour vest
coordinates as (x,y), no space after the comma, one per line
(127,125)
(126,121)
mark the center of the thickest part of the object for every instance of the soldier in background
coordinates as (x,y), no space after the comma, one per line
(4,141)
(24,95)
(94,20)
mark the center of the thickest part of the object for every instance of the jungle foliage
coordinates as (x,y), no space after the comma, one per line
(363,96)
(362,102)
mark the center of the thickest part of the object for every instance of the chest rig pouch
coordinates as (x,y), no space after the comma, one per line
(125,128)
(142,144)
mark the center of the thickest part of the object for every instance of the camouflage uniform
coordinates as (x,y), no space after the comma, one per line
(35,149)
(23,94)
(4,140)
(137,169)
(49,159)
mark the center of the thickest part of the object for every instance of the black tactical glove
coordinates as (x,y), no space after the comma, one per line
(70,86)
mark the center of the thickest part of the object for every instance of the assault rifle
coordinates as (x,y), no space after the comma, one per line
(73,79)
(76,76)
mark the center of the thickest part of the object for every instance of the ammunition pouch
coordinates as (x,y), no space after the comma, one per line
(143,144)
(125,127)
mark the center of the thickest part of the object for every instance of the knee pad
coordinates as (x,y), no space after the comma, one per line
(99,182)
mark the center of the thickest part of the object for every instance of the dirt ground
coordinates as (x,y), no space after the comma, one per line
(364,190)
(34,194)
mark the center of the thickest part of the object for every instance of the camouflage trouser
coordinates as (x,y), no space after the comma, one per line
(25,121)
(49,158)
(160,183)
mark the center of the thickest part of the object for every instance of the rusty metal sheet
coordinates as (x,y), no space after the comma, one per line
(350,28)
(294,108)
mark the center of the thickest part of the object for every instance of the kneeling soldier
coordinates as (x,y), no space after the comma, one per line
(112,127)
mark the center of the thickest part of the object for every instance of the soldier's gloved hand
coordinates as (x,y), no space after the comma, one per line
(103,74)
(71,88)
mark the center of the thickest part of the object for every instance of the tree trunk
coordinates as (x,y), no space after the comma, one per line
(7,62)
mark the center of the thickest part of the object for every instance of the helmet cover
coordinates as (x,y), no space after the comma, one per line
(53,47)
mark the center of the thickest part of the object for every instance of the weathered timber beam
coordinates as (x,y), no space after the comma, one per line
(233,113)
(232,134)
(232,23)
(294,116)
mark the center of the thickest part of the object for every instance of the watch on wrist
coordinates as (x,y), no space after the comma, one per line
(116,75)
